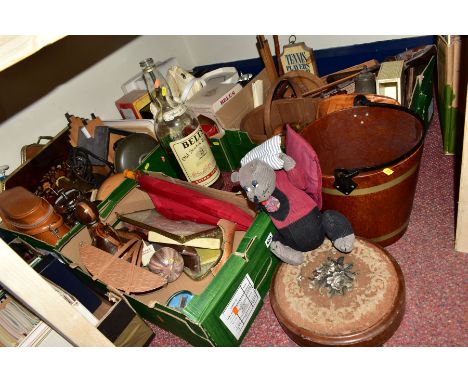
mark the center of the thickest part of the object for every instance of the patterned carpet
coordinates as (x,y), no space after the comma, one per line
(435,274)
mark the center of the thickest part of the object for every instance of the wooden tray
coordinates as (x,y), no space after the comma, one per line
(367,315)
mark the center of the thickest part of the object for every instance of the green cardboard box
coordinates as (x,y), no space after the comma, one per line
(230,147)
(225,305)
(212,317)
(422,101)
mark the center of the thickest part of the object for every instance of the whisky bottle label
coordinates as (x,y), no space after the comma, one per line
(196,159)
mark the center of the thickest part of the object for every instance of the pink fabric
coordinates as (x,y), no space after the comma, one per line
(177,202)
(308,176)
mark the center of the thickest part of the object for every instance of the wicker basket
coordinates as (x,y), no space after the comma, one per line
(269,119)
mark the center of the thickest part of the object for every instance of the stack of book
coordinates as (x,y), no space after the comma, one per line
(20,327)
(199,244)
(16,322)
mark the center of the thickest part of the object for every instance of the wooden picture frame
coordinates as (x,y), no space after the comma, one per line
(298,56)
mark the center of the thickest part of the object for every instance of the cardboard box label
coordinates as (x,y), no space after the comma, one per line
(241,307)
(268,240)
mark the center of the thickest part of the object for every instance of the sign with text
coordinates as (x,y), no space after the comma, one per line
(298,57)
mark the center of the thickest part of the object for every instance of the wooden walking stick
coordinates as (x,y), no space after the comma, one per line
(265,53)
(278,54)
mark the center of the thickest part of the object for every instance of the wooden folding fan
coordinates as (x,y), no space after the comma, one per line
(121,270)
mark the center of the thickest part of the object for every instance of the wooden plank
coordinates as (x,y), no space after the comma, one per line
(461,240)
(21,281)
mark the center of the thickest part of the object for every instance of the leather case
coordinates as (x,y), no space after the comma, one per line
(22,211)
(28,151)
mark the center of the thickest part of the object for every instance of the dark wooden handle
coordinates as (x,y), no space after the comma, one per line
(267,110)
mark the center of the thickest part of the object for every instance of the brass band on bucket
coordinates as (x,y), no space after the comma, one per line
(390,235)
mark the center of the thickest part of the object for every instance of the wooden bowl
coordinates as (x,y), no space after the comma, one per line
(367,315)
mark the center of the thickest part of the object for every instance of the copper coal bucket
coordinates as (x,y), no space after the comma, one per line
(370,156)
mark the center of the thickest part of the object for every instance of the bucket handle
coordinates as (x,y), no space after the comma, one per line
(269,99)
(344,177)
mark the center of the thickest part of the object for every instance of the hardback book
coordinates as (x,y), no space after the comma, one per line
(15,321)
(179,232)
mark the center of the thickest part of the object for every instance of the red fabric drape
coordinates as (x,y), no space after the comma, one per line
(177,202)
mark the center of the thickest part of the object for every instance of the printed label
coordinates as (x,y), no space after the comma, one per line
(240,309)
(196,159)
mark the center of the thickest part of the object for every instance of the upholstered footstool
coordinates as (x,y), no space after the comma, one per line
(357,299)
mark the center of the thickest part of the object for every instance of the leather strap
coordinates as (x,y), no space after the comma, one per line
(38,223)
(51,227)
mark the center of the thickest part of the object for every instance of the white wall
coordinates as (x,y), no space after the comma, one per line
(92,91)
(96,89)
(211,49)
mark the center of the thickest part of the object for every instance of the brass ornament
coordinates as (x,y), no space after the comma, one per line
(333,275)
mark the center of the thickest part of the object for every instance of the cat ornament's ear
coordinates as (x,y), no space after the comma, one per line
(235,177)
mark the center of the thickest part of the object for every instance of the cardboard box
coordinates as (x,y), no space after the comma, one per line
(208,319)
(229,147)
(135,105)
(232,112)
(422,97)
(213,97)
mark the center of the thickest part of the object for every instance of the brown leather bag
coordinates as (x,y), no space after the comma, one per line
(28,151)
(269,119)
(22,211)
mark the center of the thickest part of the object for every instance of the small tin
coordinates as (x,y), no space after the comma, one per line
(179,300)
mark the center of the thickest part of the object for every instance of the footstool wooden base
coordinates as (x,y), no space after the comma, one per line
(367,315)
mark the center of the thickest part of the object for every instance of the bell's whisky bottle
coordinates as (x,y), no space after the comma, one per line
(180,134)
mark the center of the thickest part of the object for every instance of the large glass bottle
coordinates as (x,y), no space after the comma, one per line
(180,134)
(150,75)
